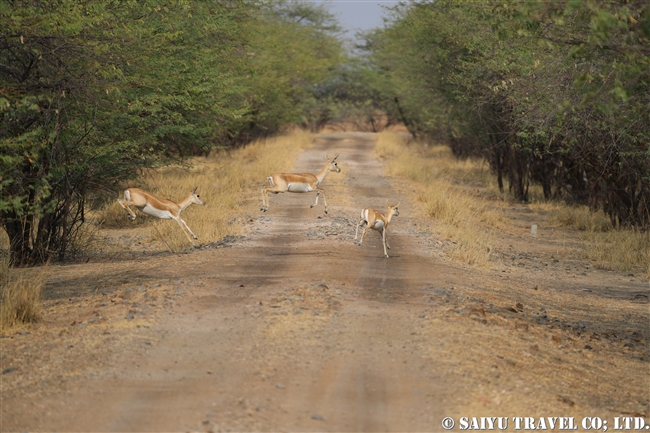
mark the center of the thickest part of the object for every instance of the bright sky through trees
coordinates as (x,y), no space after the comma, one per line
(356,15)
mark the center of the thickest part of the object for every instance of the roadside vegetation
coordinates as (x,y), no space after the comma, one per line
(20,294)
(463,195)
(225,179)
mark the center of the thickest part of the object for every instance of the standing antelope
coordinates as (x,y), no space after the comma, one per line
(159,207)
(298,182)
(377,221)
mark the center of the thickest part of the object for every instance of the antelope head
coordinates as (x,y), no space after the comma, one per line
(333,165)
(195,197)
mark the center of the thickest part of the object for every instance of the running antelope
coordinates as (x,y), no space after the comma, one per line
(377,221)
(159,207)
(298,182)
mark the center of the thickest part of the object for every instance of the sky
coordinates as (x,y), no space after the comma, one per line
(355,15)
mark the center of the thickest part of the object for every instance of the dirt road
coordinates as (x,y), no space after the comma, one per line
(293,327)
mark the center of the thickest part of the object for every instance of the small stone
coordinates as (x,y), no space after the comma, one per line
(566,400)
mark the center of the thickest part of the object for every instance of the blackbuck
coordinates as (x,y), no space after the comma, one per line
(159,207)
(298,182)
(377,221)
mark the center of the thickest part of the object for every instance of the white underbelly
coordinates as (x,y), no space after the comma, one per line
(150,210)
(299,187)
(378,225)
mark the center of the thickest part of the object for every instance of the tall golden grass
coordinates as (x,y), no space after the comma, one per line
(467,219)
(20,294)
(619,250)
(224,179)
(609,247)
(577,217)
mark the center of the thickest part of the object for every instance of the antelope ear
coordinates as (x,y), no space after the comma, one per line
(397,203)
(387,203)
(337,155)
(194,190)
(327,157)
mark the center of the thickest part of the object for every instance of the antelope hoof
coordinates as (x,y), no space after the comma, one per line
(311,206)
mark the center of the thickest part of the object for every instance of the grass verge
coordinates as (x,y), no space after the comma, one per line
(446,191)
(223,179)
(609,247)
(20,294)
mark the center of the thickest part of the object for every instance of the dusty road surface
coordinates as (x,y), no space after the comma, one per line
(294,327)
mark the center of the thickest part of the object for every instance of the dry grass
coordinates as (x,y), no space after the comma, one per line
(221,179)
(425,162)
(20,294)
(578,217)
(466,219)
(619,250)
(608,247)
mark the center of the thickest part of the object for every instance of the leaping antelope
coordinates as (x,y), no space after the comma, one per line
(298,182)
(159,207)
(377,221)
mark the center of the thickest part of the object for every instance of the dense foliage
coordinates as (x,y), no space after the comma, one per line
(93,92)
(552,92)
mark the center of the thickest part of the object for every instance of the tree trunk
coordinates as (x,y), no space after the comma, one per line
(403,117)
(18,230)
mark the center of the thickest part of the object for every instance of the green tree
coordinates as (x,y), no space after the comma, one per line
(90,93)
(294,48)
